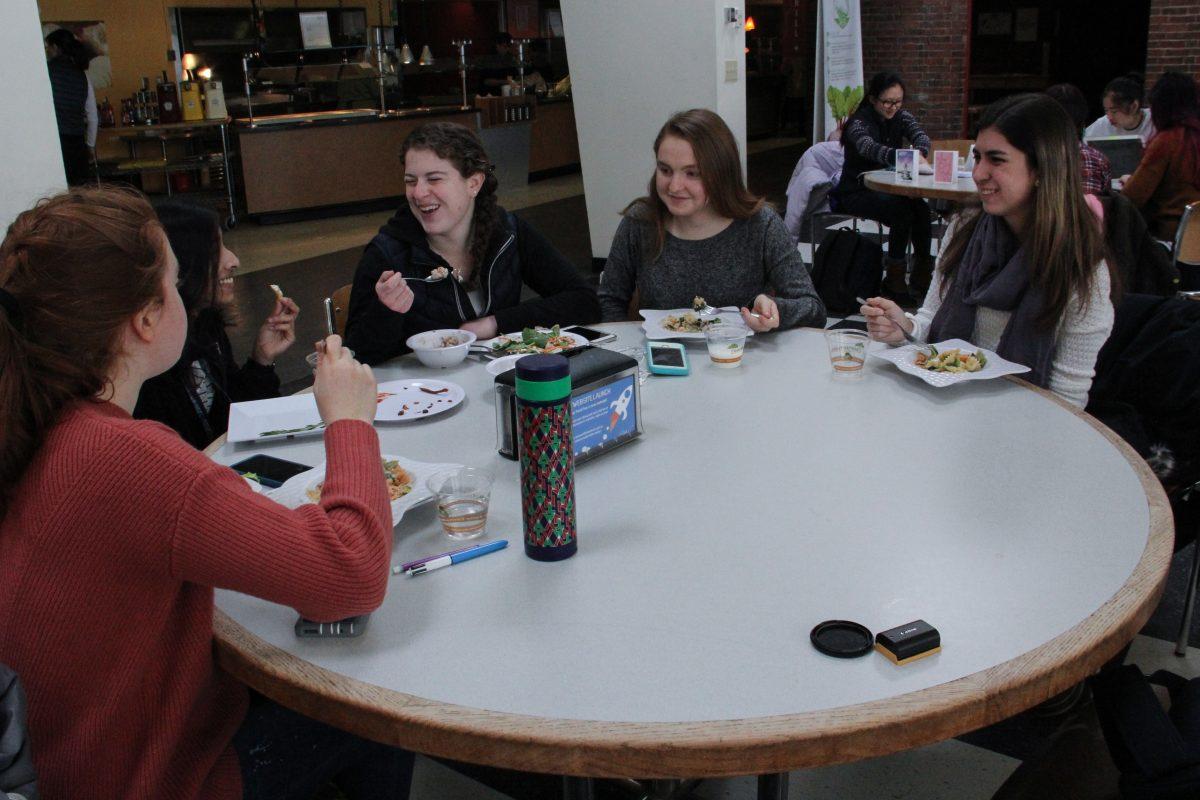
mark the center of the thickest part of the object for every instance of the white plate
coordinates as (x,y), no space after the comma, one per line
(575,337)
(294,415)
(653,319)
(403,401)
(294,493)
(903,358)
(504,363)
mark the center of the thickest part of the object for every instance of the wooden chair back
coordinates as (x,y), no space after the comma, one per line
(341,308)
(961,146)
(1187,236)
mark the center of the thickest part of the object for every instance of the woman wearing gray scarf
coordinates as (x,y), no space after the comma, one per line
(1024,275)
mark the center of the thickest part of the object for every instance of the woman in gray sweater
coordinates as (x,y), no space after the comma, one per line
(699,231)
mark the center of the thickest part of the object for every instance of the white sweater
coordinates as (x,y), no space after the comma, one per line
(1082,331)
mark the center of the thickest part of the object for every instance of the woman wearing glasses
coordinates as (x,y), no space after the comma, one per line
(870,138)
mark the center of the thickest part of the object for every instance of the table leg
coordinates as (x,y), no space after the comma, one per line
(578,788)
(773,787)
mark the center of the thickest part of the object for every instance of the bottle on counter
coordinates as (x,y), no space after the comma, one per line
(547,456)
(105,113)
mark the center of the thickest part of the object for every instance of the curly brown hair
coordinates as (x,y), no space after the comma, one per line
(461,147)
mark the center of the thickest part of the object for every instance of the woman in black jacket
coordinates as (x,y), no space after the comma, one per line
(193,396)
(870,139)
(452,225)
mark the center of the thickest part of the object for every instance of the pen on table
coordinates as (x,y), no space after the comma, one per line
(465,555)
(416,562)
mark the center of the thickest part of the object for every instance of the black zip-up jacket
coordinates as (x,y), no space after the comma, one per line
(870,142)
(517,255)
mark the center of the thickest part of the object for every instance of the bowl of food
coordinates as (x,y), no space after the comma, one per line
(441,348)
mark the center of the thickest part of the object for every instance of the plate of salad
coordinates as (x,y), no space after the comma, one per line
(533,341)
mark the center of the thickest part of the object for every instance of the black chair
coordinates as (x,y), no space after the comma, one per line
(17,778)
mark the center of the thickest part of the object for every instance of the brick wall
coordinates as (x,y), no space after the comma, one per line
(1174,40)
(926,41)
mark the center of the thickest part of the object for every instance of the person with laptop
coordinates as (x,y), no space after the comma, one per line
(1124,114)
(1097,172)
(1168,177)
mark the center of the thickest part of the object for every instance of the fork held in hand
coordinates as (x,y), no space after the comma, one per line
(908,337)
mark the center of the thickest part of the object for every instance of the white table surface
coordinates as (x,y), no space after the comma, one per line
(759,502)
(963,188)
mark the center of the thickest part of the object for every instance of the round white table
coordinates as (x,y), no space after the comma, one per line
(759,502)
(884,180)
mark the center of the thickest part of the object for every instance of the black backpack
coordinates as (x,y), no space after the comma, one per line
(846,265)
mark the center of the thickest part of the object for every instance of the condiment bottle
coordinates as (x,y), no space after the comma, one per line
(547,456)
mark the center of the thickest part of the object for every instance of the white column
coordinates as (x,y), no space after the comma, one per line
(633,64)
(29,150)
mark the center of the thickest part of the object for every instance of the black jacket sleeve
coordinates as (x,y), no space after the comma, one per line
(565,297)
(251,381)
(373,331)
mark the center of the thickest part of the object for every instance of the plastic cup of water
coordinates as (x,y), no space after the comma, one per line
(847,353)
(462,496)
(726,344)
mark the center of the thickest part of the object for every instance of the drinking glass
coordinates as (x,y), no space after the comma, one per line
(462,496)
(847,353)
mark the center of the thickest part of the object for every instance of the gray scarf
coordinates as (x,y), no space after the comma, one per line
(994,273)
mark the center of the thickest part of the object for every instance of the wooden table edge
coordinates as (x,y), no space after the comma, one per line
(930,191)
(715,748)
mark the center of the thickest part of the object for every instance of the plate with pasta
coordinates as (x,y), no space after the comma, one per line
(949,362)
(405,478)
(685,323)
(533,341)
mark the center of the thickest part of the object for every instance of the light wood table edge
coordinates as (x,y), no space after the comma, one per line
(722,747)
(924,191)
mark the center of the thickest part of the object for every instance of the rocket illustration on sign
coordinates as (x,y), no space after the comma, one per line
(620,407)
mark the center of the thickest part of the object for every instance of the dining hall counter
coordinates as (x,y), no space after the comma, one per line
(292,162)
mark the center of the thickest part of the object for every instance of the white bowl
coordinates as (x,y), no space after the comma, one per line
(432,353)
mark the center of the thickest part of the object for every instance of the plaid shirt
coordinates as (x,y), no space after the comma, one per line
(1097,172)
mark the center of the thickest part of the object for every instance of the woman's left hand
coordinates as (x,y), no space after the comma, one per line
(768,315)
(278,333)
(483,328)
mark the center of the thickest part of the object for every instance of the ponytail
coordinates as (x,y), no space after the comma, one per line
(73,270)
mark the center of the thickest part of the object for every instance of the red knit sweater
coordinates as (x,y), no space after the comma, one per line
(116,535)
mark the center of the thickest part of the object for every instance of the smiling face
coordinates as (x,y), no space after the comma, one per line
(440,198)
(1124,117)
(227,264)
(1004,178)
(888,103)
(677,178)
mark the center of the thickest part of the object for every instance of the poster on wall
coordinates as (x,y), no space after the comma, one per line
(839,73)
(95,39)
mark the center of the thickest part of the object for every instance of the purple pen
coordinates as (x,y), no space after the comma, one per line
(418,562)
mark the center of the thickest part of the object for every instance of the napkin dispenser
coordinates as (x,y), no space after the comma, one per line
(606,404)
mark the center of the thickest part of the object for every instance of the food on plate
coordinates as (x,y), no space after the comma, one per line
(698,303)
(399,482)
(278,292)
(427,390)
(687,322)
(953,360)
(438,273)
(533,341)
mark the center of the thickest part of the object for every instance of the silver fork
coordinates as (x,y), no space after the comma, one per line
(709,311)
(430,279)
(908,337)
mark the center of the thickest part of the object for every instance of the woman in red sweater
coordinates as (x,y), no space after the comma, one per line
(113,532)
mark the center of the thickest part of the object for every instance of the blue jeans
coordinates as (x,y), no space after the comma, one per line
(287,756)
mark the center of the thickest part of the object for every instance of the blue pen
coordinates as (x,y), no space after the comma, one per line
(454,558)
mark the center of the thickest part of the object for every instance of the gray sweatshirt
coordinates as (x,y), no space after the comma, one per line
(751,257)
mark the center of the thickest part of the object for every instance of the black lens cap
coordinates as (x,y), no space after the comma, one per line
(842,638)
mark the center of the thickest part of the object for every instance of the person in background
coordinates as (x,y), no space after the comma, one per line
(114,533)
(1094,166)
(193,396)
(1124,111)
(870,138)
(699,231)
(1168,177)
(452,223)
(74,103)
(1025,274)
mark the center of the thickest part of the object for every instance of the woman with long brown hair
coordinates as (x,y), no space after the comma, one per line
(114,532)
(700,231)
(1024,275)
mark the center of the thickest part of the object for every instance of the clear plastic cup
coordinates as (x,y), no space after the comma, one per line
(725,344)
(847,353)
(462,496)
(315,356)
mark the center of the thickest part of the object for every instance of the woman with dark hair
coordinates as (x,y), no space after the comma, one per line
(1096,170)
(74,103)
(114,533)
(1168,177)
(193,396)
(870,138)
(1024,275)
(452,224)
(699,231)
(1124,111)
